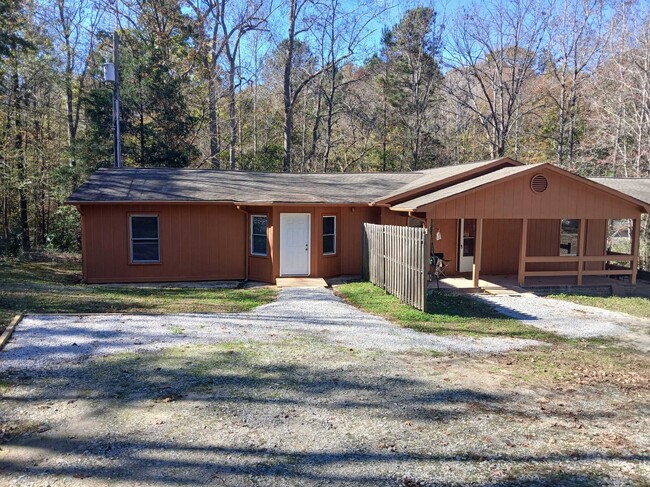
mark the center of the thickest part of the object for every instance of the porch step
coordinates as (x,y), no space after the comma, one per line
(300,282)
(503,291)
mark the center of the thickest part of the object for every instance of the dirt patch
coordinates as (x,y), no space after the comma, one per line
(305,412)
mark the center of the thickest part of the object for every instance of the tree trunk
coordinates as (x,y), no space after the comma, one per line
(215,147)
(20,157)
(232,106)
(287,92)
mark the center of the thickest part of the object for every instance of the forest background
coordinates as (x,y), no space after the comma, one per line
(312,86)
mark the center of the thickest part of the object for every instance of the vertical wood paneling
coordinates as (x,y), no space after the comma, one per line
(564,198)
(189,251)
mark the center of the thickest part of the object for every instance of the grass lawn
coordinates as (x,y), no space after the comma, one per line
(635,306)
(55,287)
(451,314)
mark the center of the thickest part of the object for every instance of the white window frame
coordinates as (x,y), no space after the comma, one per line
(132,238)
(266,236)
(327,234)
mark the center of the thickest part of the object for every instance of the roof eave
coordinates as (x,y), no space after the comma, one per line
(387,200)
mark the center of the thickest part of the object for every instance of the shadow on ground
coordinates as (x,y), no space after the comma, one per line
(286,414)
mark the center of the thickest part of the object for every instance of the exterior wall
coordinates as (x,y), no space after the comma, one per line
(564,198)
(596,242)
(448,244)
(351,230)
(390,217)
(501,240)
(349,220)
(260,268)
(212,242)
(544,240)
(197,242)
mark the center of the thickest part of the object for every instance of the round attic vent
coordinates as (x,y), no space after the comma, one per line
(539,183)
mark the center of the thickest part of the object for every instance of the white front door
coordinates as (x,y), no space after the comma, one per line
(294,244)
(466,241)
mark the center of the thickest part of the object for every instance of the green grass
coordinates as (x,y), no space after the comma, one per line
(635,306)
(450,314)
(55,287)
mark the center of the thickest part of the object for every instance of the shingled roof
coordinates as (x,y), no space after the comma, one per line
(638,188)
(195,185)
(417,203)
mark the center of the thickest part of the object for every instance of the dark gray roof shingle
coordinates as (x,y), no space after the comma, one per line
(168,185)
(638,188)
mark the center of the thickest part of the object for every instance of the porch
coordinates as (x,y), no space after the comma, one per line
(509,285)
(497,253)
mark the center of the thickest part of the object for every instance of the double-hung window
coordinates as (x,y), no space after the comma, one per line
(329,235)
(258,234)
(145,239)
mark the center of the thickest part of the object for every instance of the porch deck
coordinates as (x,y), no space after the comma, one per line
(539,285)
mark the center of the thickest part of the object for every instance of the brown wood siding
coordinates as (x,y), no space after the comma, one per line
(197,242)
(347,259)
(500,247)
(260,268)
(564,198)
(596,242)
(211,242)
(390,217)
(351,229)
(448,244)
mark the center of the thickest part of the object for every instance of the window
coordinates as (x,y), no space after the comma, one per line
(258,234)
(569,237)
(329,235)
(145,242)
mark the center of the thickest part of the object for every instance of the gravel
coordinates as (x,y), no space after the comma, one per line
(562,317)
(298,312)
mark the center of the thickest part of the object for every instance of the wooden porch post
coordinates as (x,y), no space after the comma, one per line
(582,247)
(636,229)
(523,242)
(478,251)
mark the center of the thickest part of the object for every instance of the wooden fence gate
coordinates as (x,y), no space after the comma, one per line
(396,259)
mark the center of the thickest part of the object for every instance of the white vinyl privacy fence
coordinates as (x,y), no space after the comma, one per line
(396,259)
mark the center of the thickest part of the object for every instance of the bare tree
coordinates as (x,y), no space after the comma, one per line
(578,38)
(249,16)
(494,49)
(73,25)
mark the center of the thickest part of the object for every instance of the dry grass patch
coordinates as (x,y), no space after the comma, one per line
(55,287)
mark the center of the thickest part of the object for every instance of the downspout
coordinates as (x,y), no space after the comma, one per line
(424,222)
(246,226)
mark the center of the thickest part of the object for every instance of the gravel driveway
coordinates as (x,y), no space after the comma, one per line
(304,391)
(568,319)
(298,312)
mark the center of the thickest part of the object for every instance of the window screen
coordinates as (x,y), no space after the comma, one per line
(258,234)
(329,235)
(145,242)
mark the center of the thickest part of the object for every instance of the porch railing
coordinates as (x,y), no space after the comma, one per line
(580,268)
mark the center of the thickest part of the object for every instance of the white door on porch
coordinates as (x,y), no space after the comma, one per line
(466,244)
(294,244)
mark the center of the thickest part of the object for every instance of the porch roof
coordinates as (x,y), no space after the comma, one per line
(417,203)
(636,191)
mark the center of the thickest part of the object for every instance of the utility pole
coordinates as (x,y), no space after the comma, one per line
(116,101)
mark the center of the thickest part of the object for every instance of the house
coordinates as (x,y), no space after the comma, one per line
(490,217)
